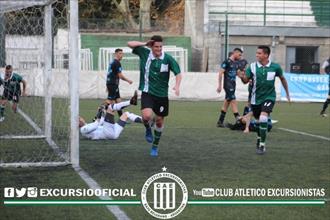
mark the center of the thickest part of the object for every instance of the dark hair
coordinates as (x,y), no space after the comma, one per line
(230,53)
(157,38)
(8,67)
(238,49)
(118,50)
(265,49)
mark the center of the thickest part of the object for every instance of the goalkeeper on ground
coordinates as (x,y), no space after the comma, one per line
(12,90)
(104,127)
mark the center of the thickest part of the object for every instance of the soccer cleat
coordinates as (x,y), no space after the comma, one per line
(258,146)
(2,119)
(100,112)
(261,150)
(323,114)
(220,125)
(149,137)
(154,151)
(258,142)
(134,99)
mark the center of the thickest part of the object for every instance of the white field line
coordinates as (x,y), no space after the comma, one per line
(305,133)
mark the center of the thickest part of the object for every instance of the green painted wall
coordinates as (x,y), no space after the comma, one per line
(94,42)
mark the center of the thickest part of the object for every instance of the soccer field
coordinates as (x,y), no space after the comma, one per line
(201,155)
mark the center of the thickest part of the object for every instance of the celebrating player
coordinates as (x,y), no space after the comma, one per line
(229,70)
(263,73)
(113,76)
(12,90)
(155,67)
(326,70)
(105,127)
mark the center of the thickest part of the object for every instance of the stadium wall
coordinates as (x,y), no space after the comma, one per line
(194,86)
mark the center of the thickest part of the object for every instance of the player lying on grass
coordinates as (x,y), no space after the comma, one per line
(12,90)
(104,127)
(246,124)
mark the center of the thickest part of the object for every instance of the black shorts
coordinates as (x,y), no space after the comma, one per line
(230,94)
(11,96)
(113,92)
(158,104)
(266,106)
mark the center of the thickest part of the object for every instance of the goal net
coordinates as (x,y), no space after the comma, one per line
(43,129)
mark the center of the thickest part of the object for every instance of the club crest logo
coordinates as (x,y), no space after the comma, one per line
(164,195)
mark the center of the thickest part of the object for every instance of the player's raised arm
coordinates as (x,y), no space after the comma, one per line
(286,87)
(133,44)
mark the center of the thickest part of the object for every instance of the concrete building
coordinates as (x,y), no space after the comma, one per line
(288,27)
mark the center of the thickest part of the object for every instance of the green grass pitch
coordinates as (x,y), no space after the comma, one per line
(194,149)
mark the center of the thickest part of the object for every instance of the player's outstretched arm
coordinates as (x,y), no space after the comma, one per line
(243,76)
(24,87)
(176,88)
(221,72)
(247,119)
(286,87)
(122,77)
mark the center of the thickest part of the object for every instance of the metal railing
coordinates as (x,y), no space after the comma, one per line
(271,13)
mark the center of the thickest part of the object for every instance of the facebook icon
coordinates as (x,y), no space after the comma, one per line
(9,192)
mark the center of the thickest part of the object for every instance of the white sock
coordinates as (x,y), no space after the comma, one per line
(101,121)
(119,106)
(159,129)
(134,118)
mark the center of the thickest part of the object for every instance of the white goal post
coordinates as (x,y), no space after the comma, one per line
(44,130)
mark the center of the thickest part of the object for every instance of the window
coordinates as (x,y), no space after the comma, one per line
(302,59)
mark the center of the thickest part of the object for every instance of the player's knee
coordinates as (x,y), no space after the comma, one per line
(263,119)
(147,117)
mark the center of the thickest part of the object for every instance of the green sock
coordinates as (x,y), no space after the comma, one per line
(157,135)
(258,130)
(263,132)
(2,111)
